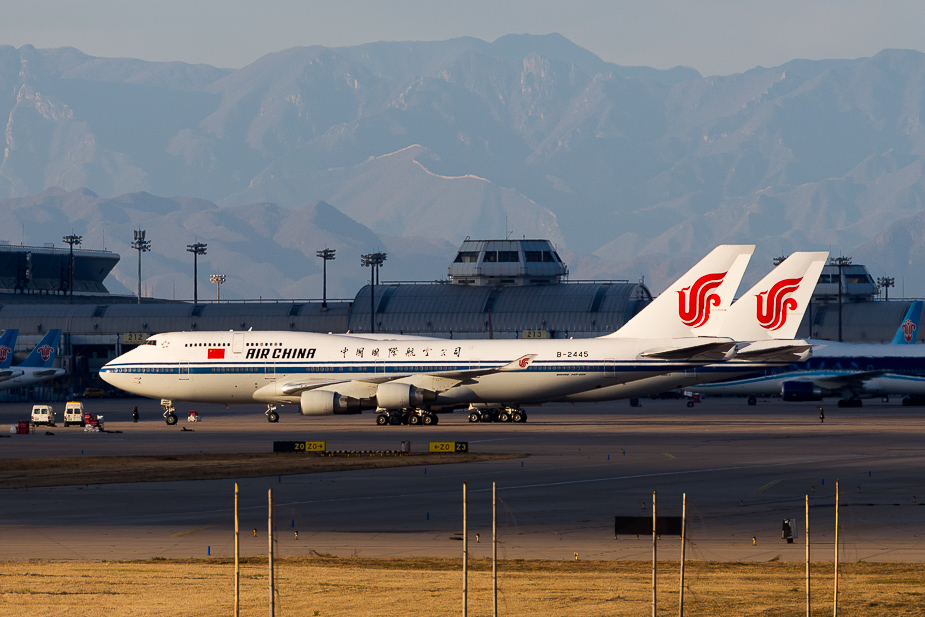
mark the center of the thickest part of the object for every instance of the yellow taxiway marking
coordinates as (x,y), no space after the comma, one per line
(180,534)
(767,486)
(666,455)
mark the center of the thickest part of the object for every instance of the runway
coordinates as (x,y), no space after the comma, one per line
(744,469)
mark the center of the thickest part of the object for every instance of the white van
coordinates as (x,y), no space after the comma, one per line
(74,413)
(43,415)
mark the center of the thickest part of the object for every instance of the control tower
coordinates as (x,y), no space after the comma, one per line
(500,263)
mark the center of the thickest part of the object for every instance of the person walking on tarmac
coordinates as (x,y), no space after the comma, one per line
(135,414)
(821,416)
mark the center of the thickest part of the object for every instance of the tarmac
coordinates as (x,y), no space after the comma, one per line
(743,469)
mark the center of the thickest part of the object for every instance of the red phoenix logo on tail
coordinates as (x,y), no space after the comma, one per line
(45,351)
(5,352)
(908,328)
(773,306)
(694,302)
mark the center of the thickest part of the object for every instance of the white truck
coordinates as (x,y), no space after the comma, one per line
(74,414)
(43,415)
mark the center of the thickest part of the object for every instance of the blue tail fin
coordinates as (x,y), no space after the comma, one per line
(44,353)
(7,345)
(908,328)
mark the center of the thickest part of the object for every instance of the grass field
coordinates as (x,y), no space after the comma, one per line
(323,586)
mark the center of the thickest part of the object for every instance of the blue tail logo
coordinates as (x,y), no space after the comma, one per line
(905,334)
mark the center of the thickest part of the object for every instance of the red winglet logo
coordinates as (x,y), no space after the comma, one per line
(523,362)
(694,302)
(908,328)
(5,352)
(45,351)
(773,306)
(216,354)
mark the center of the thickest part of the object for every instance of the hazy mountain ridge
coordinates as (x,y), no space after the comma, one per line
(464,137)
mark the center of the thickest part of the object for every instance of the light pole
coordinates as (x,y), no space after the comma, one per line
(142,246)
(196,249)
(326,255)
(218,279)
(373,260)
(885,282)
(71,240)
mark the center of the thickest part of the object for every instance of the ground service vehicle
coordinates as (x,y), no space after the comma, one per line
(74,413)
(43,415)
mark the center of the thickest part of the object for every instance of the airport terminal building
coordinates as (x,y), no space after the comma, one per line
(494,289)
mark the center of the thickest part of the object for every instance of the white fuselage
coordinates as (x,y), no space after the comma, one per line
(275,367)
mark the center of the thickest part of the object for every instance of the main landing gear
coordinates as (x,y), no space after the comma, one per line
(170,416)
(414,417)
(506,414)
(272,414)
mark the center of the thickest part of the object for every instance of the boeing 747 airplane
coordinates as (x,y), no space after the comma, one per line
(411,380)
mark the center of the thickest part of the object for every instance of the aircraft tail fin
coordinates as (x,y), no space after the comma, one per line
(908,328)
(44,353)
(691,302)
(774,308)
(7,345)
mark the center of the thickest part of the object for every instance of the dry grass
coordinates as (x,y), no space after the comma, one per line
(369,587)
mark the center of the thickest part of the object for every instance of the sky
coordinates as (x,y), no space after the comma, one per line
(716,37)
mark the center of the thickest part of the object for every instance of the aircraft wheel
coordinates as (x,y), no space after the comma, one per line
(519,416)
(436,418)
(907,401)
(885,399)
(474,416)
(690,403)
(752,400)
(382,419)
(427,419)
(171,419)
(414,419)
(487,416)
(504,417)
(394,419)
(273,417)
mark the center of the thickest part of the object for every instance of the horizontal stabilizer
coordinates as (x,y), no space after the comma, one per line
(717,351)
(777,352)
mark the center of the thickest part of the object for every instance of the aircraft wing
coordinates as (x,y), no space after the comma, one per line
(449,379)
(847,380)
(714,351)
(49,373)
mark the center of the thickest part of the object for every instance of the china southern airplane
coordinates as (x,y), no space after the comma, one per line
(37,367)
(767,316)
(411,379)
(7,345)
(850,371)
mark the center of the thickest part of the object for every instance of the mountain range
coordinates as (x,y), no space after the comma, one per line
(410,147)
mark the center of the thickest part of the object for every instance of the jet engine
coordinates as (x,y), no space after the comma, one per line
(799,391)
(401,396)
(325,403)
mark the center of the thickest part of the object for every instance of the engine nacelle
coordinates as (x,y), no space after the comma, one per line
(325,403)
(401,396)
(799,391)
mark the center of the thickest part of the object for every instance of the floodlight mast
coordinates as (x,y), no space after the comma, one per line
(196,249)
(218,279)
(326,255)
(373,261)
(71,240)
(142,246)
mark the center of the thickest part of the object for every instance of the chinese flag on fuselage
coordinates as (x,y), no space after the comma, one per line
(216,354)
